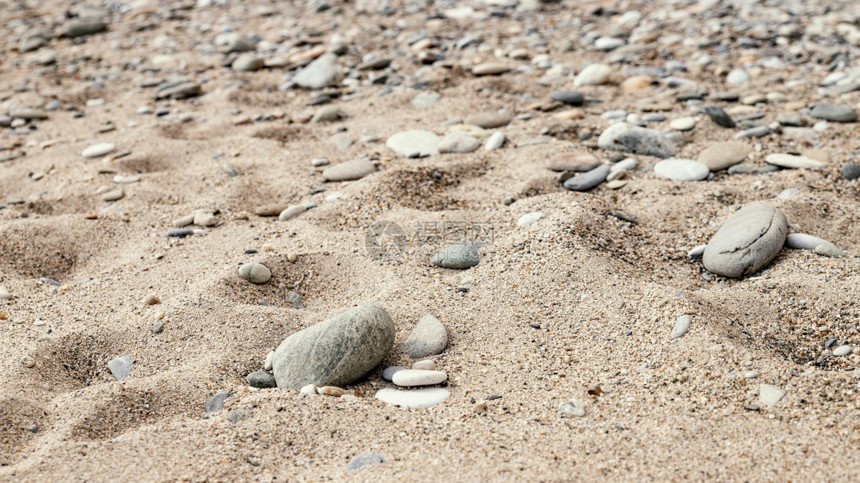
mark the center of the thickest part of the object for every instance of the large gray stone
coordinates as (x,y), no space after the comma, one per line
(747,241)
(427,338)
(637,140)
(337,351)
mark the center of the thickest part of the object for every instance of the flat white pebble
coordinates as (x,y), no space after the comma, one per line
(97,150)
(417,377)
(529,219)
(415,399)
(682,325)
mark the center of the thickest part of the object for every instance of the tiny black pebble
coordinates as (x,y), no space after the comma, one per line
(250,251)
(494,397)
(534,326)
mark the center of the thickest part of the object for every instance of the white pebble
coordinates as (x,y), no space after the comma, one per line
(682,325)
(495,141)
(529,219)
(309,389)
(417,377)
(97,150)
(417,399)
(842,350)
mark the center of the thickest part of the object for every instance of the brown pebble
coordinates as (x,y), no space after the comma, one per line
(292,257)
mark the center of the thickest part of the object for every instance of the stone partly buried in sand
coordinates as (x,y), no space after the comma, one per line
(414,399)
(637,140)
(337,351)
(802,241)
(747,241)
(725,154)
(589,179)
(256,273)
(459,257)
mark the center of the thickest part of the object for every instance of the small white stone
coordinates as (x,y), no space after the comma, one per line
(427,365)
(573,408)
(683,123)
(416,399)
(205,219)
(697,252)
(592,75)
(416,377)
(495,141)
(842,350)
(770,394)
(4,294)
(267,365)
(309,389)
(292,212)
(682,325)
(529,219)
(97,150)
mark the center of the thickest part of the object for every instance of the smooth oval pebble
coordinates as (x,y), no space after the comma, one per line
(573,161)
(628,138)
(682,325)
(842,350)
(459,256)
(681,170)
(414,399)
(490,68)
(292,212)
(348,171)
(418,377)
(458,142)
(588,180)
(256,273)
(428,338)
(495,141)
(723,155)
(683,123)
(97,150)
(414,143)
(747,241)
(333,391)
(529,219)
(309,389)
(802,241)
(697,252)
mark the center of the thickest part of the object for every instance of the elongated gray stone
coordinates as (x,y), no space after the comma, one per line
(747,241)
(589,179)
(802,241)
(637,140)
(833,113)
(459,257)
(337,351)
(427,338)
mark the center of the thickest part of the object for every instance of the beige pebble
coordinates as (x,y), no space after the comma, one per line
(292,257)
(427,365)
(28,361)
(151,300)
(331,391)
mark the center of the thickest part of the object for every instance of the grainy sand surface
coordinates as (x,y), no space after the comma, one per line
(579,305)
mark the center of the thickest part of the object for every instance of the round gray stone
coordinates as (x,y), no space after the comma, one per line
(256,273)
(747,241)
(427,338)
(261,380)
(337,351)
